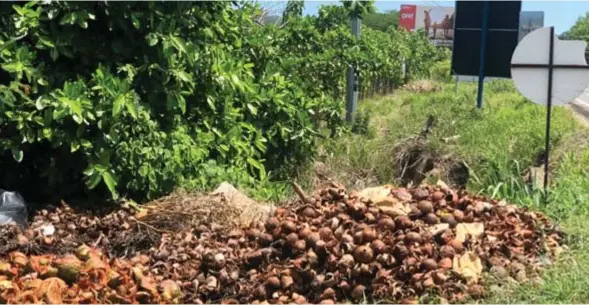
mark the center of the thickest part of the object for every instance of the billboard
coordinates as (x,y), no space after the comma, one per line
(438,21)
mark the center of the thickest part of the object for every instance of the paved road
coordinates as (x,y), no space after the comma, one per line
(581,107)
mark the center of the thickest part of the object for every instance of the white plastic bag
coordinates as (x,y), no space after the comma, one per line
(13,208)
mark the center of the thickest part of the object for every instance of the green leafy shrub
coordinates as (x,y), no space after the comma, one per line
(361,124)
(441,71)
(138,98)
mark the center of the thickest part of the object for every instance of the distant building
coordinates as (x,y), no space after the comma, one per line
(530,21)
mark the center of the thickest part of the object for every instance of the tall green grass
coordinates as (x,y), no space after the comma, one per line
(497,143)
(566,281)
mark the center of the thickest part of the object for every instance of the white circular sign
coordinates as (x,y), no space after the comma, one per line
(567,83)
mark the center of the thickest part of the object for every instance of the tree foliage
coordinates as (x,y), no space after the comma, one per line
(294,9)
(382,21)
(138,98)
(579,30)
(358,8)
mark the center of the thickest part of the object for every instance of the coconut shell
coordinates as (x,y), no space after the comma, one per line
(429,264)
(363,254)
(387,223)
(400,252)
(458,215)
(449,219)
(425,207)
(403,222)
(420,194)
(328,293)
(68,267)
(445,263)
(313,238)
(273,282)
(431,219)
(272,223)
(456,244)
(438,195)
(304,233)
(300,245)
(292,238)
(326,234)
(413,237)
(447,251)
(378,246)
(288,226)
(358,292)
(368,235)
(309,212)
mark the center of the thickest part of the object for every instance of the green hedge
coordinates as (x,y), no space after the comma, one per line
(138,98)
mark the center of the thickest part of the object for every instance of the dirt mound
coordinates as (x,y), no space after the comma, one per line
(385,243)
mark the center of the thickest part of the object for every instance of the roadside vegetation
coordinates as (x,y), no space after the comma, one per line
(499,146)
(186,95)
(179,95)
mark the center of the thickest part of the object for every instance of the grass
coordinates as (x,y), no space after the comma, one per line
(566,281)
(500,141)
(498,144)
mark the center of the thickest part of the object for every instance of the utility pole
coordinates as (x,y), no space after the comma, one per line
(352,81)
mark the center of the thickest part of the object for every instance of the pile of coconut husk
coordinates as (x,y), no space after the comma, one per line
(333,246)
(133,228)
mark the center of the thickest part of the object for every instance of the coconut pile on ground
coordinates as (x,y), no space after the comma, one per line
(381,244)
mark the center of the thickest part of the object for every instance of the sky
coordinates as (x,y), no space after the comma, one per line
(560,14)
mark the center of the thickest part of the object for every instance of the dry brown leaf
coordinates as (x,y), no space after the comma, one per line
(468,266)
(393,207)
(475,229)
(439,228)
(375,194)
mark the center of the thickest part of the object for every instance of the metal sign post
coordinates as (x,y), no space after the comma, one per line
(352,80)
(549,106)
(528,58)
(484,30)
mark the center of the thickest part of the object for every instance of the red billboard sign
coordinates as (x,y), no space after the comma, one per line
(407,16)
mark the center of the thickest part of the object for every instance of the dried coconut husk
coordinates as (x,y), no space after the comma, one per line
(226,207)
(292,257)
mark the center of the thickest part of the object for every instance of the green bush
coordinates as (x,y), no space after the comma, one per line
(138,98)
(441,71)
